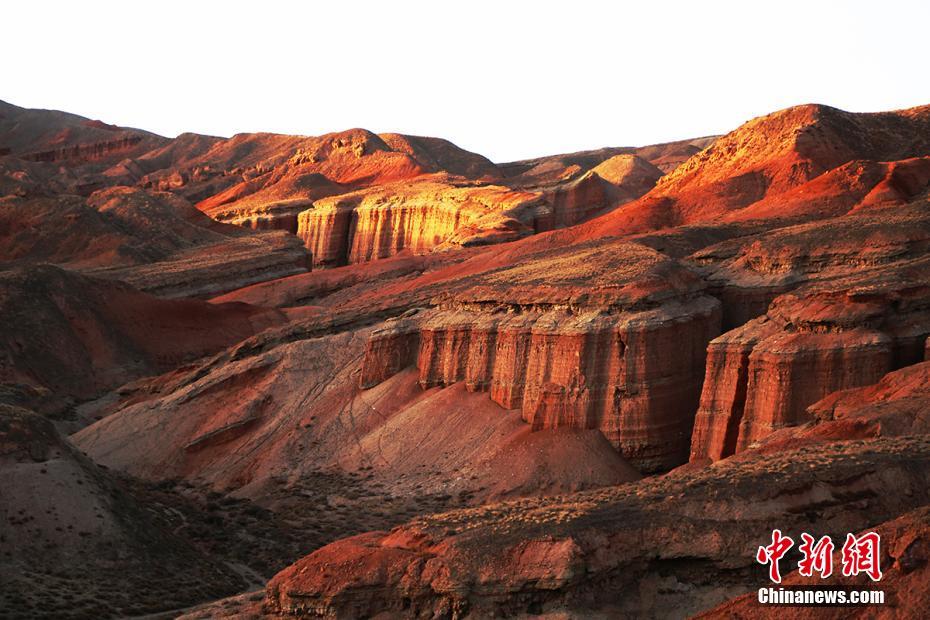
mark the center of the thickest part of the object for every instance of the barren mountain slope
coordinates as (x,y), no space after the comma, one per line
(66,338)
(75,544)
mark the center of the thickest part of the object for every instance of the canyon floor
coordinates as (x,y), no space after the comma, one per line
(376,375)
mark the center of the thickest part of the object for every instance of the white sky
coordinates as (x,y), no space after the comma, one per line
(504,78)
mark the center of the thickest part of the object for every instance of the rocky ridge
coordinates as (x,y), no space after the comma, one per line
(609,549)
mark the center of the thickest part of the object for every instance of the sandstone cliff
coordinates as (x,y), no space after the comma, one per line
(271,416)
(821,338)
(381,222)
(442,211)
(610,337)
(764,304)
(294,171)
(893,407)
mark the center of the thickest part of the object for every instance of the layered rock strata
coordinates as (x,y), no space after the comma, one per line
(894,407)
(217,268)
(386,220)
(748,271)
(69,140)
(444,211)
(157,242)
(611,550)
(266,180)
(624,355)
(822,338)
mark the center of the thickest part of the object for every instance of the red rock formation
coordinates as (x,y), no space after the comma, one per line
(438,154)
(88,152)
(388,351)
(613,182)
(806,161)
(441,211)
(822,338)
(256,180)
(264,180)
(609,550)
(267,416)
(210,269)
(58,137)
(788,373)
(433,379)
(383,221)
(855,186)
(895,406)
(295,172)
(320,286)
(774,153)
(155,241)
(587,346)
(748,271)
(723,396)
(554,168)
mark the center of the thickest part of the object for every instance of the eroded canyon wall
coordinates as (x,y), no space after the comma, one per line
(417,217)
(629,364)
(824,337)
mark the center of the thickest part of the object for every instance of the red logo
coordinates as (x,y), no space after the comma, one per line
(817,557)
(860,554)
(774,552)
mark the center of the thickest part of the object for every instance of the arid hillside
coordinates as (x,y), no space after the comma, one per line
(360,373)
